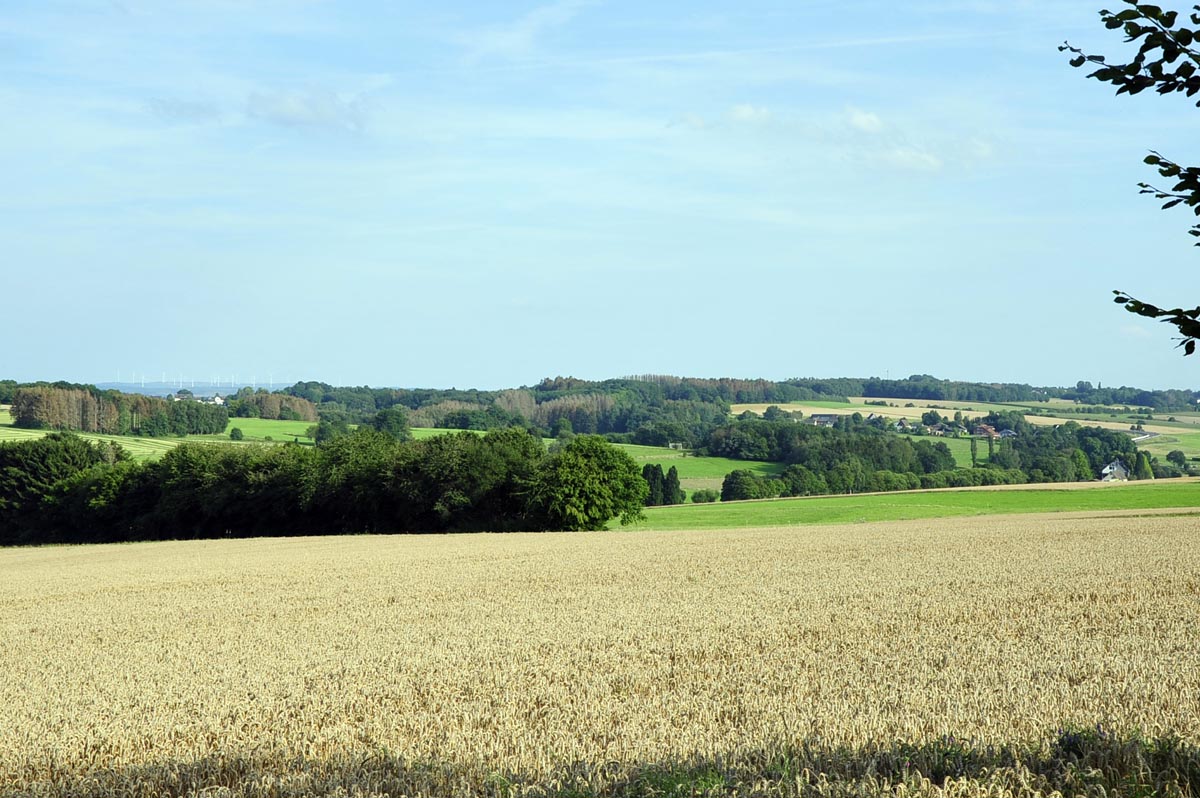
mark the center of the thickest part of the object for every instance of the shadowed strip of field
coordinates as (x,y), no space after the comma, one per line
(1087,760)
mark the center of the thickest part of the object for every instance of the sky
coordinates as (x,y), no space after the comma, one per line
(470,194)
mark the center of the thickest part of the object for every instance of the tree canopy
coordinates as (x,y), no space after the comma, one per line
(1166,61)
(587,483)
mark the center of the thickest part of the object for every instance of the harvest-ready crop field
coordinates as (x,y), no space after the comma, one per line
(957,656)
(1174,430)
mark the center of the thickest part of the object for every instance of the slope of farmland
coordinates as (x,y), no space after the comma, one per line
(915,408)
(1176,494)
(138,448)
(1013,656)
(697,472)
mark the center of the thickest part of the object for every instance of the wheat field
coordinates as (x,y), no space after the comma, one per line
(1014,655)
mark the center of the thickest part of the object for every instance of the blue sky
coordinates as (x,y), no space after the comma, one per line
(484,194)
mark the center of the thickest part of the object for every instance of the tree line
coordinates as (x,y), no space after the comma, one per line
(87,409)
(659,409)
(861,455)
(61,488)
(249,403)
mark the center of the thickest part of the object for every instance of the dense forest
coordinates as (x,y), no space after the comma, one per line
(62,488)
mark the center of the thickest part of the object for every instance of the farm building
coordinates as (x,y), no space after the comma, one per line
(1114,472)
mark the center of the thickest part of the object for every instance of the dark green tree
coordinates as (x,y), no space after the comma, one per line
(1166,61)
(392,421)
(1177,457)
(29,471)
(563,429)
(329,429)
(1142,470)
(848,476)
(1006,456)
(653,474)
(1083,468)
(585,484)
(236,434)
(672,492)
(800,481)
(742,484)
(974,452)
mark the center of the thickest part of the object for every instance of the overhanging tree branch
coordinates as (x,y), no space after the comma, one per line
(1168,61)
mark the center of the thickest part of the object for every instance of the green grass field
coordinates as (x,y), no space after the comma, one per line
(1182,494)
(259,429)
(697,472)
(1186,442)
(961,449)
(138,448)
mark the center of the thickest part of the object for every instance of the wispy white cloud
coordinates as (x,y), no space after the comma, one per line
(519,38)
(745,112)
(308,108)
(865,121)
(912,158)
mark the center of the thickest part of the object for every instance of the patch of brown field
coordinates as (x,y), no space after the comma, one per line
(527,653)
(922,408)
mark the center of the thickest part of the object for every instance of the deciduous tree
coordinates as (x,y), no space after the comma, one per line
(1166,60)
(586,484)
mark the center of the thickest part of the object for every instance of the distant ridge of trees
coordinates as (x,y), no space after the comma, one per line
(87,409)
(656,409)
(650,409)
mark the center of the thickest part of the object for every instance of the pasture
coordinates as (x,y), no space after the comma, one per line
(138,448)
(261,429)
(1011,655)
(697,472)
(1176,494)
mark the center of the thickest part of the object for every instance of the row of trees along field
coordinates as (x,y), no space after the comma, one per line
(61,488)
(858,455)
(87,409)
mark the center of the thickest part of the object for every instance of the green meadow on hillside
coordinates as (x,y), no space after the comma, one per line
(1183,494)
(260,429)
(697,473)
(138,448)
